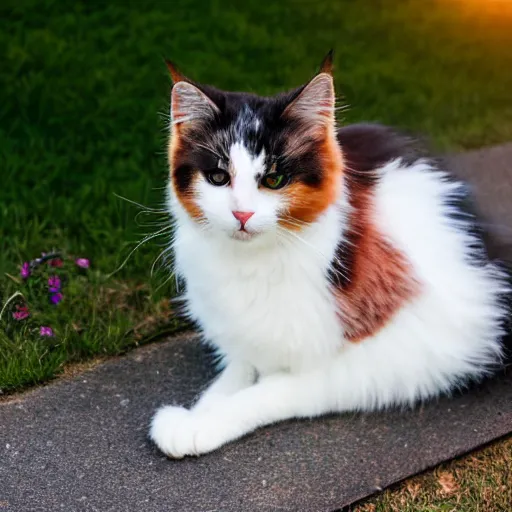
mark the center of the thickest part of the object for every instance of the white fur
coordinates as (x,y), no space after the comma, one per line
(265,303)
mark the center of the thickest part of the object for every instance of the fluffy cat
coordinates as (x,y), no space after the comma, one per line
(332,269)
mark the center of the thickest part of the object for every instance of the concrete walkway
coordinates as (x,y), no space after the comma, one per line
(81,444)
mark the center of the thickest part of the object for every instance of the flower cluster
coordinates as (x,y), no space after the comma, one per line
(54,284)
(21,312)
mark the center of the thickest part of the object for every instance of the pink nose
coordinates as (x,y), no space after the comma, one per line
(243,217)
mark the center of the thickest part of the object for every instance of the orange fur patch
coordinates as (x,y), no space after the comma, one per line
(381,277)
(185,198)
(307,202)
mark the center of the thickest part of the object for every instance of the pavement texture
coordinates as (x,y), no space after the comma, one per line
(80,444)
(489,175)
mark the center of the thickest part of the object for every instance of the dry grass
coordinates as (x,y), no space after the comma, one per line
(479,482)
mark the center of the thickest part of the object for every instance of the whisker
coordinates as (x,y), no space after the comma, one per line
(209,148)
(163,253)
(142,242)
(146,208)
(168,221)
(171,275)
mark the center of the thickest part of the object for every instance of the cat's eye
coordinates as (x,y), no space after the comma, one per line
(217,177)
(274,181)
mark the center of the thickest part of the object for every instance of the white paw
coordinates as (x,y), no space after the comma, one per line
(179,432)
(169,428)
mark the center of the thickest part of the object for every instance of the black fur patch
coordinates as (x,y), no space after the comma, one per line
(187,163)
(368,146)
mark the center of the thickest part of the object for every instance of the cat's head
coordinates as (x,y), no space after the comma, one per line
(246,166)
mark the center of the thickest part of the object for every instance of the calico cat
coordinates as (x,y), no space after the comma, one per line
(332,269)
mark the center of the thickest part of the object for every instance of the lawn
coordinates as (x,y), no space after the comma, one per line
(83,106)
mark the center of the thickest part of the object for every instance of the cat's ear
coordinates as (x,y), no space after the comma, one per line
(327,63)
(176,74)
(189,104)
(315,103)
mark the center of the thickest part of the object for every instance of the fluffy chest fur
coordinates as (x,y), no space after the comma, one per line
(272,307)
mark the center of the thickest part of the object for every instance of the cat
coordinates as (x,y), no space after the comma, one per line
(332,269)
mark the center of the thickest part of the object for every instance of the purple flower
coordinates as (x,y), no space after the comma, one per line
(25,270)
(56,298)
(54,284)
(46,331)
(21,313)
(82,262)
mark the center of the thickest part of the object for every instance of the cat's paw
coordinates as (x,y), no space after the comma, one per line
(168,426)
(179,432)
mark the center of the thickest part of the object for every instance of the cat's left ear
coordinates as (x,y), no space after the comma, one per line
(315,103)
(189,104)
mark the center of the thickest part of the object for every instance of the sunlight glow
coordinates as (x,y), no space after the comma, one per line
(486,12)
(494,7)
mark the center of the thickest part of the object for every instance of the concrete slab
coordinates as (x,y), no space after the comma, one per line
(81,444)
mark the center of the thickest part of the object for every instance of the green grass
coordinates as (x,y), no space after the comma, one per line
(81,88)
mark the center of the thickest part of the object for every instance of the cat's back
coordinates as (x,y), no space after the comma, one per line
(367,147)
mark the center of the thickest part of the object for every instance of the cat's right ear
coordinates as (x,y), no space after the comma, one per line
(315,103)
(175,73)
(189,105)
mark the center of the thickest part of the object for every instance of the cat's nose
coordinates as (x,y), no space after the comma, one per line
(243,217)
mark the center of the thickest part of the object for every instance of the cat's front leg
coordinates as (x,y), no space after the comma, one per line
(234,377)
(171,423)
(274,398)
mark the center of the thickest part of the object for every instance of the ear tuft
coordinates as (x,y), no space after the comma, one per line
(190,104)
(315,103)
(327,63)
(174,72)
